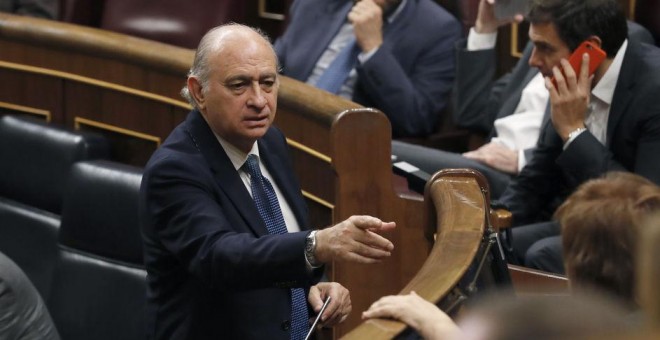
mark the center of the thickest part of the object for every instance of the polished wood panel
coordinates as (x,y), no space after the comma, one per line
(77,72)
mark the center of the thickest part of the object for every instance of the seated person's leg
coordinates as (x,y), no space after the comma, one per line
(546,255)
(526,235)
(23,313)
(432,160)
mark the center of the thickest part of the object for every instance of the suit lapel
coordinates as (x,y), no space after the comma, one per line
(226,176)
(624,90)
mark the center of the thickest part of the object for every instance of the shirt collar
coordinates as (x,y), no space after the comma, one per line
(604,90)
(236,156)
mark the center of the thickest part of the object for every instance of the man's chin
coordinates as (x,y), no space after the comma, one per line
(257,131)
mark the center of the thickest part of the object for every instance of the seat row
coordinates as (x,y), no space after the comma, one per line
(69,219)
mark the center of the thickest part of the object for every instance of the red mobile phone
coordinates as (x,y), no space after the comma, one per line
(596,56)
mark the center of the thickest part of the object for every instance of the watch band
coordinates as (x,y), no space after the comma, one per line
(310,248)
(576,132)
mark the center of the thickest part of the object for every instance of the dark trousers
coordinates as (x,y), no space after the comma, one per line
(538,246)
(431,160)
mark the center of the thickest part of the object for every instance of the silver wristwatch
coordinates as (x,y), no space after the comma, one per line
(310,248)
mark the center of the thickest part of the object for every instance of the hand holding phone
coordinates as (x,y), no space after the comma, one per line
(596,56)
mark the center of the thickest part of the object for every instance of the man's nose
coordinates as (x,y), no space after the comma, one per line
(257,98)
(534,61)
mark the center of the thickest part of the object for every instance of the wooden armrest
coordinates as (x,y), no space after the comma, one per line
(456,210)
(500,218)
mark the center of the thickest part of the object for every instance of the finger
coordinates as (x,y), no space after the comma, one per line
(474,156)
(550,85)
(584,68)
(338,314)
(569,74)
(374,312)
(314,298)
(372,224)
(379,311)
(584,81)
(377,242)
(342,307)
(560,81)
(332,309)
(374,251)
(361,245)
(386,226)
(365,221)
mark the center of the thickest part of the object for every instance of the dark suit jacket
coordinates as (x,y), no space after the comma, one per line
(633,143)
(213,270)
(409,78)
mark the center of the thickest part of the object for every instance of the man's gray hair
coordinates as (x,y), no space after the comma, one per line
(200,68)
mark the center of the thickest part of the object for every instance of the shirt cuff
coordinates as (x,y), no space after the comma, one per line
(522,161)
(364,57)
(481,41)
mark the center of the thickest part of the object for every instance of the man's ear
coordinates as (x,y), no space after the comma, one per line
(196,92)
(594,39)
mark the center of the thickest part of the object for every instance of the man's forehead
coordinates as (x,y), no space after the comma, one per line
(247,53)
(544,34)
(237,68)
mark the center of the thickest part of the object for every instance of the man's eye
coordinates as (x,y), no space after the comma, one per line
(268,83)
(236,86)
(544,49)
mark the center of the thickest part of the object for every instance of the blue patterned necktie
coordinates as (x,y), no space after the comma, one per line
(335,75)
(269,208)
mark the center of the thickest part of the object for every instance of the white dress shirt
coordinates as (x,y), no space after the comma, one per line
(520,130)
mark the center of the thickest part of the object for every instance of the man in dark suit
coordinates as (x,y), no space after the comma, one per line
(405,67)
(509,110)
(227,246)
(610,121)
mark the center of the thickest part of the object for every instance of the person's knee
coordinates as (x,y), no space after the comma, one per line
(545,255)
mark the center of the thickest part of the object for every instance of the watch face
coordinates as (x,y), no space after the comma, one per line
(309,242)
